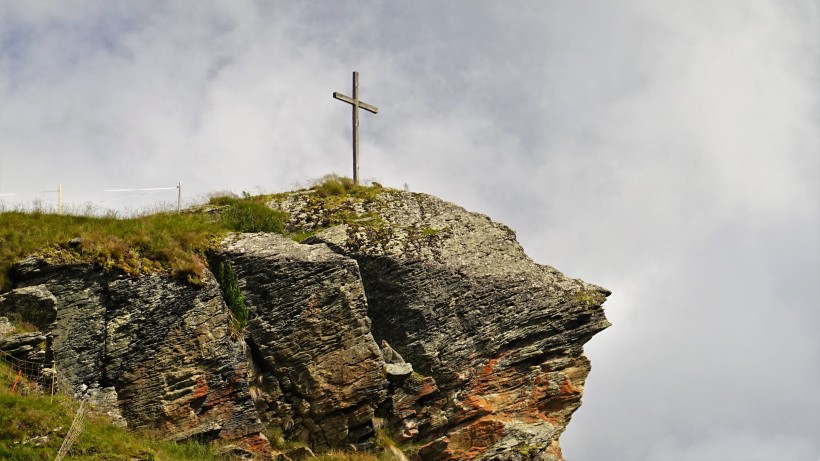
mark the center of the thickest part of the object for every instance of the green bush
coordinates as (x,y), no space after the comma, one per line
(249,215)
(229,284)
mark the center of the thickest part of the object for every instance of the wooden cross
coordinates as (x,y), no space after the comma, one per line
(354,101)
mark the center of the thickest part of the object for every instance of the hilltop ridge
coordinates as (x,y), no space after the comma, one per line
(384,310)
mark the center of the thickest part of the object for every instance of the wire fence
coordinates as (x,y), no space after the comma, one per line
(77,426)
(34,378)
(31,378)
(52,199)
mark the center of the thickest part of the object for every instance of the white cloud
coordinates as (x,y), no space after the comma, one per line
(734,446)
(666,150)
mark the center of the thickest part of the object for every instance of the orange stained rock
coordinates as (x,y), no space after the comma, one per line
(256,443)
(477,402)
(568,388)
(201,389)
(489,367)
(474,439)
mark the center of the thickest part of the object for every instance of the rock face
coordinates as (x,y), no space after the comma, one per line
(319,373)
(399,311)
(160,349)
(496,338)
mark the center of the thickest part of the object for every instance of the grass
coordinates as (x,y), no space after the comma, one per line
(161,242)
(143,245)
(333,185)
(32,428)
(249,214)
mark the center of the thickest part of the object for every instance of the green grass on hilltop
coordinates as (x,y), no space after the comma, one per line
(333,185)
(249,214)
(173,242)
(170,242)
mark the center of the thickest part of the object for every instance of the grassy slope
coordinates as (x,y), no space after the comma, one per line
(137,245)
(170,242)
(25,418)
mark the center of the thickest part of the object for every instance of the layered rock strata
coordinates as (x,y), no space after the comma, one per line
(319,371)
(499,337)
(160,348)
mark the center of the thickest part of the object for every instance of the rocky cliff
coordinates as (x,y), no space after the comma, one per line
(398,311)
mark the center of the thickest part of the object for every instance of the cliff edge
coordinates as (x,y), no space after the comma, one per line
(395,311)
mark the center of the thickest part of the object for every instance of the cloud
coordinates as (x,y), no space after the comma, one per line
(732,446)
(665,150)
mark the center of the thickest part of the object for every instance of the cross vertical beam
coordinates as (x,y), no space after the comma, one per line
(354,101)
(356,128)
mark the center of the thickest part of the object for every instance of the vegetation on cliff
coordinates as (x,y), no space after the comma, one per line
(229,285)
(160,242)
(140,245)
(169,242)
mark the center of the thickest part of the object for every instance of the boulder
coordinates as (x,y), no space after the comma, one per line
(319,375)
(36,304)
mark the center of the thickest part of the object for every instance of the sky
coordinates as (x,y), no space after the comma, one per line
(667,150)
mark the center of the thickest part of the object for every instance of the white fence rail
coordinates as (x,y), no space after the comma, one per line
(140,192)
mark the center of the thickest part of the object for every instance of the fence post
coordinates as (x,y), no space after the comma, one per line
(59,199)
(16,380)
(179,196)
(53,377)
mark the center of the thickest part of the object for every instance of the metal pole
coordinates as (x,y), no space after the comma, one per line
(356,128)
(59,199)
(179,196)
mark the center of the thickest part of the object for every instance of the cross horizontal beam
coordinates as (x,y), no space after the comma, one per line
(352,101)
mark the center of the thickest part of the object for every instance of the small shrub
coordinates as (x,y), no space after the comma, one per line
(301,236)
(223,198)
(333,185)
(229,284)
(429,231)
(528,451)
(191,271)
(415,378)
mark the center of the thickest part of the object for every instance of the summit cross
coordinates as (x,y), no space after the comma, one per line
(354,101)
